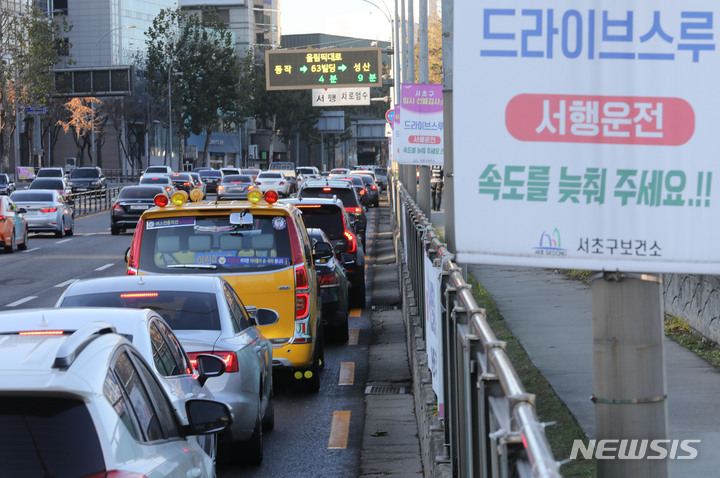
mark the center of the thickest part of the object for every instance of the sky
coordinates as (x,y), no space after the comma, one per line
(353,18)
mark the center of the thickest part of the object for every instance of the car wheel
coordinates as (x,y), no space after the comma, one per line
(24,245)
(252,450)
(357,294)
(70,231)
(114,230)
(61,232)
(340,331)
(10,248)
(268,421)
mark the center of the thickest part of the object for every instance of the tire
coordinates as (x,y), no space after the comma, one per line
(24,245)
(252,450)
(357,295)
(340,331)
(9,249)
(70,231)
(61,232)
(114,230)
(268,420)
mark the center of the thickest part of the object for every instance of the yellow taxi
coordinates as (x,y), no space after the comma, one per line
(260,247)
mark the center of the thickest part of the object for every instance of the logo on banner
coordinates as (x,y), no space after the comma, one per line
(550,245)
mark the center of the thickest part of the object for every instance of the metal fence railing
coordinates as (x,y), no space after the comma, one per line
(491,428)
(94,201)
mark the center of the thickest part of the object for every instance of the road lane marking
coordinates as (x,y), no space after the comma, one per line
(66,283)
(347,373)
(22,301)
(339,430)
(353,335)
(30,250)
(64,240)
(355,312)
(102,268)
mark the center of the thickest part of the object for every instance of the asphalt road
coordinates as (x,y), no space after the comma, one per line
(299,445)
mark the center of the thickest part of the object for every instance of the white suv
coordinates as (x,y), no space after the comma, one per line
(86,403)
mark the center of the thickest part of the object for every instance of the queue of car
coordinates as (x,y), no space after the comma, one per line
(270,281)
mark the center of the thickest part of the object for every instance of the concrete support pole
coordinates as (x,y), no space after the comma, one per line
(629,388)
(449,182)
(411,42)
(424,193)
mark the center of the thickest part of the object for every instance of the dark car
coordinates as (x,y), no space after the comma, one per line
(89,178)
(333,283)
(360,188)
(373,192)
(211,178)
(343,190)
(235,186)
(7,185)
(182,181)
(58,184)
(329,214)
(130,204)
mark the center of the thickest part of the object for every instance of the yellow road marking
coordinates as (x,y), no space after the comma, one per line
(353,335)
(339,430)
(347,373)
(355,312)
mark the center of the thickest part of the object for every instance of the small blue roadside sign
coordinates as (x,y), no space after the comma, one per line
(35,110)
(390,116)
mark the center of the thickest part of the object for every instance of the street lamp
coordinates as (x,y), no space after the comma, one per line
(97,43)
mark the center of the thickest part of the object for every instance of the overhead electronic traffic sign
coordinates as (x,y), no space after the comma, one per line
(322,68)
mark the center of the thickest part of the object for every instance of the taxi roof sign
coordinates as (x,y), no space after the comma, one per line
(322,68)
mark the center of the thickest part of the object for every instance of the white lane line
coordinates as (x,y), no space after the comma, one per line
(30,250)
(67,282)
(64,240)
(22,301)
(102,268)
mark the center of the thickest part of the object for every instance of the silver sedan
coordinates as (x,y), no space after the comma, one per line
(47,211)
(207,316)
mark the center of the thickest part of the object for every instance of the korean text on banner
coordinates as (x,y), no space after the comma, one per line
(586,138)
(420,137)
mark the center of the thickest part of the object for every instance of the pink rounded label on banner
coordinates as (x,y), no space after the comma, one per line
(600,119)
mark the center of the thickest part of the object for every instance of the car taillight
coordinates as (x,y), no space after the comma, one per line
(220,188)
(302,305)
(373,187)
(2,218)
(354,210)
(230,359)
(48,209)
(134,255)
(328,280)
(117,207)
(301,278)
(117,474)
(362,192)
(351,240)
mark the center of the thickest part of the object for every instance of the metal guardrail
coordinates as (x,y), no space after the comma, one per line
(94,201)
(491,427)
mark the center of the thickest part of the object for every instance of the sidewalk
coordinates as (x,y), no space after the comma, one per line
(551,316)
(390,443)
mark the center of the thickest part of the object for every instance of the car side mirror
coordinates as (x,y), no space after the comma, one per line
(206,417)
(208,366)
(322,251)
(263,317)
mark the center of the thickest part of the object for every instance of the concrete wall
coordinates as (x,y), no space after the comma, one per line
(695,298)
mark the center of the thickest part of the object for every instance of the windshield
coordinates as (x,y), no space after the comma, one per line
(85,173)
(182,310)
(205,244)
(3,179)
(347,196)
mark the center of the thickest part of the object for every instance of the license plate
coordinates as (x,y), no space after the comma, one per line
(140,207)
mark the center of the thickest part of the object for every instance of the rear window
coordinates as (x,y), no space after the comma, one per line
(327,218)
(49,173)
(46,183)
(48,436)
(27,196)
(181,310)
(138,193)
(85,173)
(270,176)
(155,180)
(210,174)
(212,243)
(237,178)
(156,169)
(347,196)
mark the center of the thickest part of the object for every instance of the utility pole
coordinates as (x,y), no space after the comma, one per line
(423,77)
